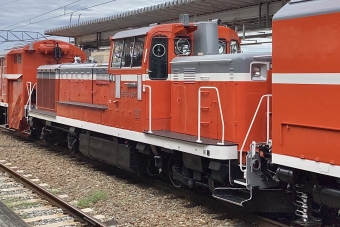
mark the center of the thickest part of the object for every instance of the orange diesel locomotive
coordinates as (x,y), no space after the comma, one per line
(172,105)
(177,100)
(18,69)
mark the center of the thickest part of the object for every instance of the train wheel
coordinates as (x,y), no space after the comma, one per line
(173,165)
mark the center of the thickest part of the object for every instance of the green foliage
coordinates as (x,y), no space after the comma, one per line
(93,198)
(54,191)
(21,204)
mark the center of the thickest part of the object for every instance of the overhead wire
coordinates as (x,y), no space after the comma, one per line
(64,14)
(8,2)
(41,14)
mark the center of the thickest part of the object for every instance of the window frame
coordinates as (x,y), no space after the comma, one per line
(122,42)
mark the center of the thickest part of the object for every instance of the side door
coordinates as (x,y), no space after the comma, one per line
(158,64)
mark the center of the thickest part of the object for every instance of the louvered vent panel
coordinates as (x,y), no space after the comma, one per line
(175,75)
(46,90)
(189,75)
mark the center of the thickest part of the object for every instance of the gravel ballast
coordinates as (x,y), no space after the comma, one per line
(127,203)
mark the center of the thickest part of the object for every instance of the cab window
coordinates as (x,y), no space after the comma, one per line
(117,52)
(182,46)
(128,52)
(233,46)
(137,55)
(222,46)
(17,58)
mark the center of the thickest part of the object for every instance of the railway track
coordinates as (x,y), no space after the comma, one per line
(225,211)
(36,205)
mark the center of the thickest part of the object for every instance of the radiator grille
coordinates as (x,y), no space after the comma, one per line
(46,90)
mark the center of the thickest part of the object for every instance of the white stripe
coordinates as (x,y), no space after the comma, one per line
(218,77)
(306,78)
(308,165)
(4,104)
(216,152)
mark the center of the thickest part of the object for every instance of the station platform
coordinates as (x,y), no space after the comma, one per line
(10,219)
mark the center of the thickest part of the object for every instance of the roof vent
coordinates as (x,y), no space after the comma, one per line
(184,19)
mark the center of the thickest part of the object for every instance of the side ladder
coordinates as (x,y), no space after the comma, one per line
(252,172)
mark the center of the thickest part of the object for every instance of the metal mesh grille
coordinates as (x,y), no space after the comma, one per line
(46,90)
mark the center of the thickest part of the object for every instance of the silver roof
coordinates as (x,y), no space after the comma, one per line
(296,9)
(132,33)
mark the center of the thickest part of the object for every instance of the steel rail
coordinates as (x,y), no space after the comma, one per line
(71,210)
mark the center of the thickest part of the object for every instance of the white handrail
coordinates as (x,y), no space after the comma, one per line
(2,79)
(251,125)
(150,103)
(30,89)
(2,71)
(199,114)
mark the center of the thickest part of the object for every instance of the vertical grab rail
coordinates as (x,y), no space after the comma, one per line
(30,89)
(3,67)
(1,72)
(150,103)
(251,125)
(199,114)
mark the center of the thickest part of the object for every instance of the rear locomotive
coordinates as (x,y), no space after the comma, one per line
(18,77)
(306,106)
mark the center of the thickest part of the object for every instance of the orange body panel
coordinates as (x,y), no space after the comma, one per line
(315,56)
(77,90)
(100,92)
(16,102)
(239,101)
(174,105)
(305,120)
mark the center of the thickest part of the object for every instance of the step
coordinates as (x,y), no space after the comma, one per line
(232,195)
(241,182)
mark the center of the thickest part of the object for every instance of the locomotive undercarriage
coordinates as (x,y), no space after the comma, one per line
(317,197)
(273,189)
(181,169)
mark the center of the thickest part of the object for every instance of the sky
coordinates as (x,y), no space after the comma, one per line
(38,16)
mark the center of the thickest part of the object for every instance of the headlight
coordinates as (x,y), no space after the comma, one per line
(256,72)
(259,71)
